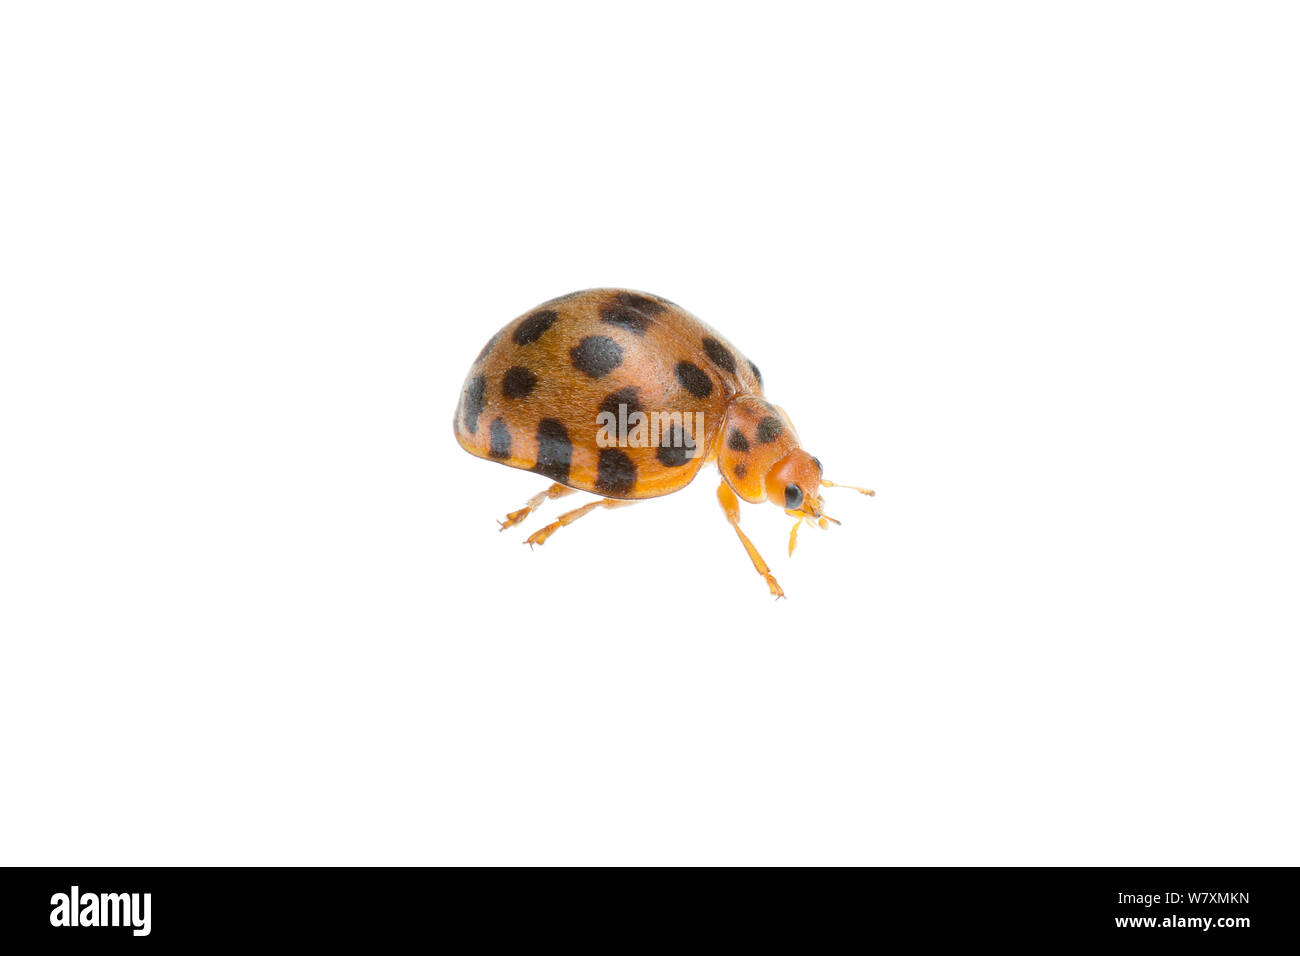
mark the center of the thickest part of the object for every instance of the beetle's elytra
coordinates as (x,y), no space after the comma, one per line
(626,395)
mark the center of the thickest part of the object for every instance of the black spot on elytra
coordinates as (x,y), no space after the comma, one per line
(517,382)
(625,318)
(737,441)
(596,355)
(642,303)
(757,374)
(719,355)
(630,311)
(500,439)
(624,396)
(554,450)
(768,429)
(474,402)
(740,471)
(488,348)
(673,451)
(615,473)
(534,326)
(694,379)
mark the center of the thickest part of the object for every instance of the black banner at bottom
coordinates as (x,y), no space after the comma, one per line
(1231,908)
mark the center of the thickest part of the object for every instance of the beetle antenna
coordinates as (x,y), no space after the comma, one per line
(832,484)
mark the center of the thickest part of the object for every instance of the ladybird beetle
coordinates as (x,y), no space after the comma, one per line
(626,394)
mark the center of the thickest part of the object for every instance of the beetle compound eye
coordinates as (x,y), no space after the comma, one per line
(793,496)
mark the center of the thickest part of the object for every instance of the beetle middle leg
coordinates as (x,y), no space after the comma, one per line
(556,490)
(731,506)
(539,537)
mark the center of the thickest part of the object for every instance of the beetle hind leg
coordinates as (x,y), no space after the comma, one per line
(556,490)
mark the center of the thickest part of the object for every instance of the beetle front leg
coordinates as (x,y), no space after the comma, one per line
(731,507)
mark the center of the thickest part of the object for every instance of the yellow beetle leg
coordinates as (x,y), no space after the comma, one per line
(731,507)
(556,490)
(539,537)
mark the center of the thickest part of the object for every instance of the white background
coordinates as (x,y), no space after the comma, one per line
(1030,270)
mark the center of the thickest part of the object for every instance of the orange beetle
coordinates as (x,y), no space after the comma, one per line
(626,395)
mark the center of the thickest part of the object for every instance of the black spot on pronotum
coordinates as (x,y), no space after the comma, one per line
(500,439)
(596,355)
(818,462)
(793,496)
(768,429)
(719,355)
(474,402)
(534,326)
(488,348)
(517,382)
(693,378)
(554,450)
(757,374)
(740,471)
(615,473)
(673,451)
(624,396)
(737,441)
